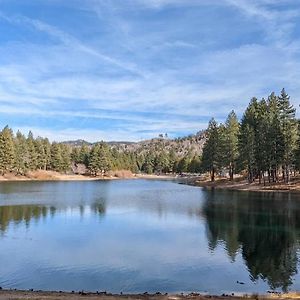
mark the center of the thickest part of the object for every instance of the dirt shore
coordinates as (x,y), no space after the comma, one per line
(243,185)
(35,295)
(55,176)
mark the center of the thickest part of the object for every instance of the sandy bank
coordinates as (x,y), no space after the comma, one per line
(16,295)
(55,176)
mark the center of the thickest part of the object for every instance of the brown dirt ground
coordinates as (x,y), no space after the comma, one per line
(243,185)
(22,295)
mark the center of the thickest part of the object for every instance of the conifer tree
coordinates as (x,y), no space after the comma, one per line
(65,158)
(21,153)
(47,151)
(40,153)
(99,161)
(31,162)
(231,143)
(56,161)
(210,156)
(84,155)
(289,130)
(148,165)
(7,150)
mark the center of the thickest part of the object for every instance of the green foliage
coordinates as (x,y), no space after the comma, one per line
(211,149)
(231,137)
(32,160)
(7,150)
(21,153)
(99,161)
(265,142)
(56,160)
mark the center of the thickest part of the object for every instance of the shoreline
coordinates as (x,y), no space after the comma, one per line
(51,295)
(243,185)
(237,185)
(55,176)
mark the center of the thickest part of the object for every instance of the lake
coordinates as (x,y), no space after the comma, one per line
(146,235)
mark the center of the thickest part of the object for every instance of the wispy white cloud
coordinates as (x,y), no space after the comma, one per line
(140,65)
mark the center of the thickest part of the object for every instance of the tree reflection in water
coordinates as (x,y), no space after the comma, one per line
(263,226)
(25,214)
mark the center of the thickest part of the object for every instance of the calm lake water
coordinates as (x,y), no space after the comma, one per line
(144,235)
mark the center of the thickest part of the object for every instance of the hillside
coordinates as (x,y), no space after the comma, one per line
(190,144)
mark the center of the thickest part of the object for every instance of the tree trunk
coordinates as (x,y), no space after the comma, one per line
(287,174)
(232,172)
(213,174)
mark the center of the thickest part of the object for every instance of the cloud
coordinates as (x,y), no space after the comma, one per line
(114,71)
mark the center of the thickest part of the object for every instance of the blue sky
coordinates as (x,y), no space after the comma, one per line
(131,69)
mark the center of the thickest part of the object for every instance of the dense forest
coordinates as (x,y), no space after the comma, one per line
(263,145)
(20,154)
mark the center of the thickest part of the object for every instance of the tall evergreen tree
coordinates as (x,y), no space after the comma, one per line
(21,153)
(289,130)
(65,158)
(56,161)
(232,128)
(99,161)
(7,150)
(210,156)
(32,154)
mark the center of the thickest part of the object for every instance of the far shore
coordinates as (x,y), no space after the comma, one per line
(45,295)
(55,176)
(239,184)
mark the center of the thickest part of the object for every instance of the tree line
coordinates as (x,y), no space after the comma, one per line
(20,154)
(265,143)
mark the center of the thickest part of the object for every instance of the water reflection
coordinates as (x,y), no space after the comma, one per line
(147,235)
(26,214)
(265,228)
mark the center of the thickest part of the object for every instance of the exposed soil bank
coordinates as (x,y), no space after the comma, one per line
(12,294)
(243,185)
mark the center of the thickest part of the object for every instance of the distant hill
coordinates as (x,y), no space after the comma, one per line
(190,144)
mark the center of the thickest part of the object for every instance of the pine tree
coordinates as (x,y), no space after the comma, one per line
(161,163)
(47,150)
(273,139)
(99,161)
(210,156)
(232,128)
(65,158)
(247,140)
(56,161)
(20,153)
(40,153)
(289,130)
(31,162)
(148,165)
(84,155)
(7,150)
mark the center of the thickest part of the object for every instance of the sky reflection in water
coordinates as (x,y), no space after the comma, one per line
(139,235)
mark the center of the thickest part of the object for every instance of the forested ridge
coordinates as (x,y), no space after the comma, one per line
(263,145)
